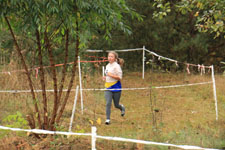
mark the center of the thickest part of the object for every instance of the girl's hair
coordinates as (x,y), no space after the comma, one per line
(120,61)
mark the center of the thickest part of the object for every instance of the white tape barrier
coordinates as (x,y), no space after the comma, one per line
(28,91)
(151,143)
(95,136)
(143,88)
(172,60)
(172,86)
(137,49)
(153,53)
(147,88)
(39,131)
(124,50)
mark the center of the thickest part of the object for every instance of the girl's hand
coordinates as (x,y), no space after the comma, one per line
(103,78)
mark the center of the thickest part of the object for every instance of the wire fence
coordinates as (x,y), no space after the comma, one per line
(94,137)
(94,134)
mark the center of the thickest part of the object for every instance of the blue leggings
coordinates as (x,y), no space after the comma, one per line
(109,96)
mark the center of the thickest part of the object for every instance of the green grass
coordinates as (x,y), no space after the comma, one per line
(183,116)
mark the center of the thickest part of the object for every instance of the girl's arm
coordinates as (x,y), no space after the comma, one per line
(113,76)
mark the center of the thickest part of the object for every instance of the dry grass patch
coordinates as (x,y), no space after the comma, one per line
(184,115)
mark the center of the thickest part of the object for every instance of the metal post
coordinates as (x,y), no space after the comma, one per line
(93,137)
(214,91)
(81,94)
(74,109)
(143,63)
(103,71)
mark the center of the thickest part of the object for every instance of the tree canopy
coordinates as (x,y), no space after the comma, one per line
(51,26)
(209,14)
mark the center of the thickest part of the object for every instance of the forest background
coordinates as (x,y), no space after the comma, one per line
(35,34)
(187,31)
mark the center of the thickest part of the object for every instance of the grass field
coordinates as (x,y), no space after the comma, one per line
(182,115)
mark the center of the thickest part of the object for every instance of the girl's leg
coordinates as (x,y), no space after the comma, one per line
(108,97)
(116,100)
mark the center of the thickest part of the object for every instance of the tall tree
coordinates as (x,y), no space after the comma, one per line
(51,22)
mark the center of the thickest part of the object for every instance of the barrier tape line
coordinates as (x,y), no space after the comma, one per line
(153,53)
(151,143)
(172,60)
(143,88)
(40,131)
(27,91)
(57,65)
(124,50)
(96,57)
(153,87)
(171,86)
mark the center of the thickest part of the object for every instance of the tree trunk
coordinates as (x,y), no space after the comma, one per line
(52,63)
(27,73)
(42,81)
(64,66)
(73,75)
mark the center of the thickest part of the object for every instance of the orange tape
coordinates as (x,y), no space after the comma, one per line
(57,65)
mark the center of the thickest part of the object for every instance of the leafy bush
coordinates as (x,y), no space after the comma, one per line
(14,121)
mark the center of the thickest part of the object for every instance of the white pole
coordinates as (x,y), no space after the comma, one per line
(214,91)
(143,63)
(74,109)
(81,95)
(103,71)
(93,137)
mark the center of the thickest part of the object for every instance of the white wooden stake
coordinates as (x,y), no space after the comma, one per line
(81,94)
(74,109)
(103,71)
(214,91)
(93,137)
(143,63)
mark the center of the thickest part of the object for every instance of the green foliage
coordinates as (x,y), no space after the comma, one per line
(79,129)
(210,15)
(60,128)
(14,121)
(42,25)
(55,17)
(163,8)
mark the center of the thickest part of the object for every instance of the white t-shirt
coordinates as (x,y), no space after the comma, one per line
(115,69)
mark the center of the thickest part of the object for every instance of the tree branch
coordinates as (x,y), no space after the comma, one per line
(27,72)
(64,66)
(42,81)
(52,63)
(73,74)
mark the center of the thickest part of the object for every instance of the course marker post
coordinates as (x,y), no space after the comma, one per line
(214,91)
(74,109)
(93,137)
(81,94)
(103,71)
(143,63)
